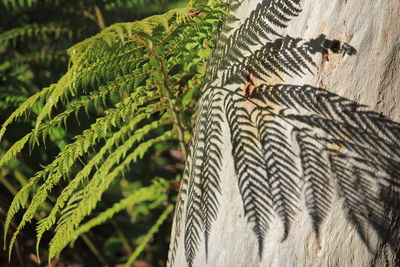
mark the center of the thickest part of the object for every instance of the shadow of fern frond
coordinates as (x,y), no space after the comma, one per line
(253,181)
(280,167)
(315,175)
(368,162)
(284,56)
(280,126)
(204,188)
(180,206)
(211,166)
(255,30)
(193,224)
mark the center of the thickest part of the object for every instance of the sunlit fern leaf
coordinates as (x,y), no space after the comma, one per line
(153,192)
(92,194)
(80,52)
(63,163)
(15,149)
(99,159)
(134,71)
(22,109)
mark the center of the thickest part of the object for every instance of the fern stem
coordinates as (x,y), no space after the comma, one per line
(99,16)
(122,236)
(20,177)
(7,184)
(177,122)
(180,130)
(94,249)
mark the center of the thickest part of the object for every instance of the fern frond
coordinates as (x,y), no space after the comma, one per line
(14,150)
(131,31)
(46,223)
(56,91)
(22,109)
(139,69)
(180,14)
(151,193)
(63,163)
(93,192)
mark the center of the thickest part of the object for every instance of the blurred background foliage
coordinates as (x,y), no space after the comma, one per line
(34,38)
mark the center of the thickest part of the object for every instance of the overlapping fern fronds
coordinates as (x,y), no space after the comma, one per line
(139,79)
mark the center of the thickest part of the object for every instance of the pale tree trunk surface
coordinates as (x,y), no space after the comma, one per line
(281,172)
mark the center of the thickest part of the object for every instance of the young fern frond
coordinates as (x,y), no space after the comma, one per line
(133,77)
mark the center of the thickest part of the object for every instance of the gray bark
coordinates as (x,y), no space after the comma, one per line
(295,156)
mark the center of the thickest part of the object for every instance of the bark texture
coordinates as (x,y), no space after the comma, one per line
(295,159)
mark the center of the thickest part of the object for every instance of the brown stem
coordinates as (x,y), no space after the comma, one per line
(99,16)
(180,129)
(7,184)
(178,123)
(122,235)
(94,249)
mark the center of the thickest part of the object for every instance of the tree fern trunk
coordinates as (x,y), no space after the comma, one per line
(295,159)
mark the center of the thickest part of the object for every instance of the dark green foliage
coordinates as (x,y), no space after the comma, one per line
(129,91)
